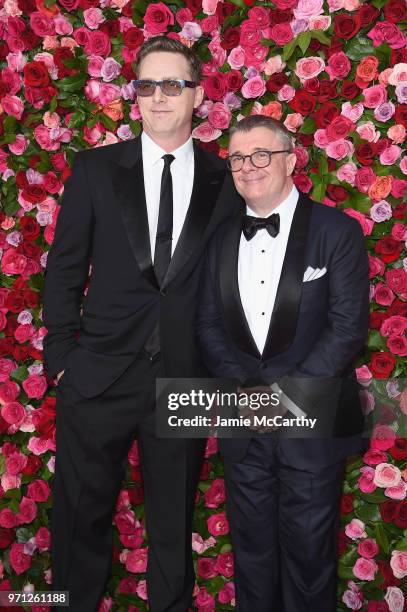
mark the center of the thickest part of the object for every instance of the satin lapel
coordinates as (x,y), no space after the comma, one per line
(285,313)
(234,315)
(128,184)
(208,181)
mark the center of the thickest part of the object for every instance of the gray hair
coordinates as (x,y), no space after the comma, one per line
(254,121)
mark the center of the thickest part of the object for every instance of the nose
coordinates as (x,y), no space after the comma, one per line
(158,94)
(247,165)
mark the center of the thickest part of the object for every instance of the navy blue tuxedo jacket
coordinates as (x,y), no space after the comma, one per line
(317,328)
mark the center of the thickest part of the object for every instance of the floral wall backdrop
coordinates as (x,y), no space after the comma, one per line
(335,73)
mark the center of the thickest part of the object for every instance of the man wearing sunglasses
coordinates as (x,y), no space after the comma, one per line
(284,311)
(140,213)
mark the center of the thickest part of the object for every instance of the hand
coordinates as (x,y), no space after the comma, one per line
(261,402)
(59,375)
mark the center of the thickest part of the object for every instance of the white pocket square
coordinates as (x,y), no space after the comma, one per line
(311,274)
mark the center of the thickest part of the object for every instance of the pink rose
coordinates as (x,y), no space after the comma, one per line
(38,491)
(365,177)
(8,519)
(219,116)
(15,463)
(254,87)
(383,438)
(387,475)
(397,280)
(9,481)
(353,597)
(27,511)
(98,43)
(24,333)
(376,266)
(395,599)
(93,18)
(205,132)
(13,413)
(381,211)
(95,63)
(35,386)
(386,32)
(339,149)
(366,480)
(390,155)
(309,67)
(206,568)
(236,57)
(215,495)
(397,133)
(365,223)
(204,601)
(19,146)
(209,6)
(398,492)
(41,24)
(368,132)
(397,345)
(281,33)
(368,548)
(383,295)
(399,232)
(38,446)
(136,561)
(339,66)
(12,105)
(227,593)
(393,326)
(374,96)
(308,8)
(365,569)
(157,18)
(108,93)
(9,392)
(355,529)
(225,564)
(6,366)
(125,521)
(43,539)
(293,121)
(211,447)
(398,563)
(19,561)
(374,457)
(339,128)
(250,34)
(13,262)
(218,524)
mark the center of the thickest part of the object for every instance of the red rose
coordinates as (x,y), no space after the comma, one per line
(133,38)
(230,38)
(327,91)
(225,565)
(343,542)
(111,27)
(34,194)
(387,573)
(400,116)
(326,114)
(38,491)
(29,228)
(69,5)
(376,319)
(234,80)
(31,298)
(215,495)
(15,301)
(194,6)
(276,81)
(157,18)
(206,568)
(302,182)
(346,504)
(346,25)
(224,10)
(4,50)
(377,606)
(7,536)
(30,40)
(388,511)
(33,464)
(6,346)
(382,364)
(279,16)
(303,103)
(19,560)
(36,74)
(388,249)
(339,128)
(397,280)
(400,515)
(399,450)
(349,90)
(205,471)
(365,153)
(395,11)
(367,14)
(136,495)
(44,418)
(337,193)
(216,86)
(398,56)
(98,43)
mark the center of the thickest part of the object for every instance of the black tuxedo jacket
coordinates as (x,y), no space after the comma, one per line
(103,225)
(317,328)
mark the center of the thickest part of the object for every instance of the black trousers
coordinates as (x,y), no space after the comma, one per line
(93,437)
(284,525)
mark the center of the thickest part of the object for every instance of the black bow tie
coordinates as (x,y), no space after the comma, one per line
(252,224)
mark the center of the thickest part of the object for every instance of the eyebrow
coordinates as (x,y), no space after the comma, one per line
(255,149)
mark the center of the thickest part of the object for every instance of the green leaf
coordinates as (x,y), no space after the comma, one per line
(77,119)
(10,124)
(381,538)
(368,512)
(358,48)
(308,127)
(373,498)
(360,202)
(318,193)
(303,40)
(53,104)
(288,49)
(319,35)
(349,557)
(379,4)
(239,3)
(375,341)
(13,494)
(345,572)
(72,83)
(135,127)
(107,122)
(36,282)
(19,374)
(323,166)
(401,544)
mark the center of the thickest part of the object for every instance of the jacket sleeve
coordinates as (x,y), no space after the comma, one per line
(67,268)
(214,343)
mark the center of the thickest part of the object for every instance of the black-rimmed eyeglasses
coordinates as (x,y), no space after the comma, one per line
(258,159)
(169,87)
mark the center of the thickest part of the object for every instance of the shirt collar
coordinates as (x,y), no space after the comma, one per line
(285,209)
(153,152)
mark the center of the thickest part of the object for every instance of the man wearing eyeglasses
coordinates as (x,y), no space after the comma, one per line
(284,312)
(140,213)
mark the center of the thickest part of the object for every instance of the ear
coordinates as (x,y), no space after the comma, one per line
(199,95)
(291,161)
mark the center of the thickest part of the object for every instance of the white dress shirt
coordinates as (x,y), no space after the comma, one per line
(182,172)
(259,269)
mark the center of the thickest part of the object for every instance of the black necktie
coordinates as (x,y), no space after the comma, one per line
(163,241)
(252,224)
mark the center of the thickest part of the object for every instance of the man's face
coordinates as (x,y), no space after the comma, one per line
(262,188)
(167,116)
